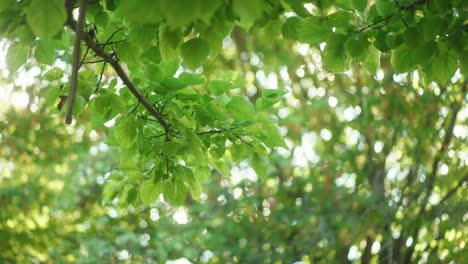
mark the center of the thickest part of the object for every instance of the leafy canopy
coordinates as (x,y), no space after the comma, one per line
(160,82)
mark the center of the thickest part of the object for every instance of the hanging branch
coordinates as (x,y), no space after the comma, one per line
(430,181)
(78,27)
(385,20)
(113,61)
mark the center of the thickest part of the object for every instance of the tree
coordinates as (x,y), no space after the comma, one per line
(368,163)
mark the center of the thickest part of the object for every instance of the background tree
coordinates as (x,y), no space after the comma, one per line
(368,163)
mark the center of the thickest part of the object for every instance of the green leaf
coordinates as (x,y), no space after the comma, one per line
(206,9)
(46,17)
(269,98)
(141,12)
(117,105)
(359,5)
(180,12)
(132,195)
(175,191)
(357,46)
(228,80)
(298,7)
(195,52)
(334,55)
(52,74)
(260,165)
(115,176)
(241,109)
(111,190)
(125,132)
(341,21)
(464,63)
(248,11)
(169,42)
(129,157)
(381,41)
(443,67)
(130,54)
(150,191)
(215,33)
(170,148)
(386,7)
(413,37)
(290,28)
(314,30)
(372,61)
(143,36)
(100,104)
(196,147)
(7,4)
(271,136)
(17,55)
(433,26)
(403,60)
(101,18)
(424,53)
(192,79)
(44,53)
(188,176)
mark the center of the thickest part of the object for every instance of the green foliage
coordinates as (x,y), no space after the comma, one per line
(150,191)
(335,57)
(46,18)
(16,56)
(285,130)
(141,12)
(195,52)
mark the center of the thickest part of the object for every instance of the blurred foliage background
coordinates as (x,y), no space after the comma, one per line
(375,171)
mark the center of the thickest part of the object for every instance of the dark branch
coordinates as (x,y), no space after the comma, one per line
(100,76)
(222,130)
(243,140)
(440,153)
(92,62)
(78,27)
(384,21)
(431,178)
(449,194)
(113,61)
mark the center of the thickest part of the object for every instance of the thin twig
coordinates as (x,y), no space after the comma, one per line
(100,76)
(92,62)
(402,18)
(243,140)
(116,42)
(78,27)
(134,108)
(108,41)
(449,194)
(157,136)
(386,19)
(84,58)
(221,130)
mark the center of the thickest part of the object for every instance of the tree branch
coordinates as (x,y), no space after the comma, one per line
(432,177)
(112,60)
(440,153)
(386,19)
(449,194)
(78,27)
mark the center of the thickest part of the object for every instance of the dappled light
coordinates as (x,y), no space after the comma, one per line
(237,131)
